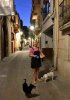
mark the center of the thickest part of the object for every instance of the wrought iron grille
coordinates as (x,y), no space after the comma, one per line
(46,9)
(64,16)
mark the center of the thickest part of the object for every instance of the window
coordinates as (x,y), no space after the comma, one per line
(46,8)
(64,12)
(12,36)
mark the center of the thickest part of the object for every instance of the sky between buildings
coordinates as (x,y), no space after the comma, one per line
(24,7)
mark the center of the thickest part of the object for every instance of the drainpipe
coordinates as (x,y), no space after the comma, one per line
(1,21)
(56,25)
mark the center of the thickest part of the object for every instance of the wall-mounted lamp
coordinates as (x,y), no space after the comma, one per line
(52,18)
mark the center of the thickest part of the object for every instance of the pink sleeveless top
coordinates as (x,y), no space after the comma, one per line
(31,51)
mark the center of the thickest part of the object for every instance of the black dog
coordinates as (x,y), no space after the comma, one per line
(27,89)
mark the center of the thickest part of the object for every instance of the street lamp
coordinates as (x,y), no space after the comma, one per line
(6,7)
(32,28)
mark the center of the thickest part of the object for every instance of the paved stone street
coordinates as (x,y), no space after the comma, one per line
(15,68)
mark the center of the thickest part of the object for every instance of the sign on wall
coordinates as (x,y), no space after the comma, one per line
(6,7)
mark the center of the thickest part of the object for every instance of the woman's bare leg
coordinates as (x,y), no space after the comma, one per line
(37,70)
(34,75)
(38,79)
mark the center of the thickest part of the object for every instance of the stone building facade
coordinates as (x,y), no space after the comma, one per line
(8,32)
(62,40)
(55,33)
(36,19)
(47,28)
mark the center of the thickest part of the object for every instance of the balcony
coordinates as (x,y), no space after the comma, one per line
(6,7)
(45,9)
(64,17)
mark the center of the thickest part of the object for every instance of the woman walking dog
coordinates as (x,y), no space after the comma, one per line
(35,61)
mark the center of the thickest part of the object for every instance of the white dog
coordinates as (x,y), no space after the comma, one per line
(48,75)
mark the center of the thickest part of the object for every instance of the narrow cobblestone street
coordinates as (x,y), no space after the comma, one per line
(15,68)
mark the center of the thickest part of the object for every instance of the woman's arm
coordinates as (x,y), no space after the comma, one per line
(42,55)
(31,55)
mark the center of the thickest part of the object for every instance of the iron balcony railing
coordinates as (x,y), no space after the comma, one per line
(64,16)
(45,10)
